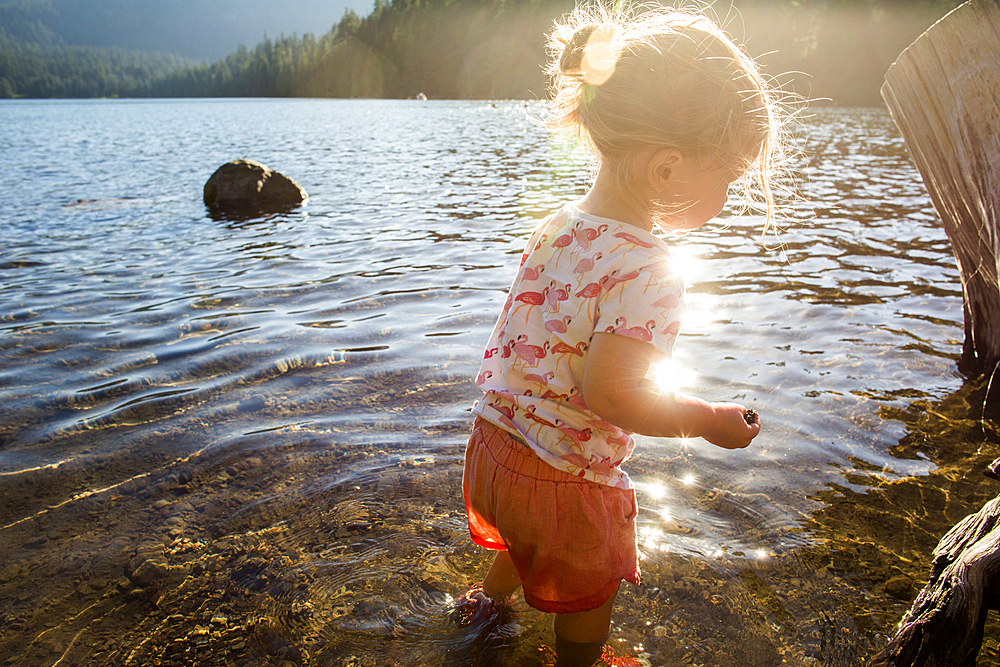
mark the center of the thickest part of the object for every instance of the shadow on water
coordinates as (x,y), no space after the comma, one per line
(238,216)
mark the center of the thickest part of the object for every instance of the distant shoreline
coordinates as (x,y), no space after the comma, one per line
(830,53)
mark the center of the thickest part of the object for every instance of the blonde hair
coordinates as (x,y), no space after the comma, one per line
(632,77)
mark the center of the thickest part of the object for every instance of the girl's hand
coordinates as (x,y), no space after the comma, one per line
(730,429)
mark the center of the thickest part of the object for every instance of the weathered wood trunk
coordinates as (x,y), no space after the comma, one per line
(944,94)
(944,627)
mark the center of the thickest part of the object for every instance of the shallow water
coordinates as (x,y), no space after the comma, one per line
(240,440)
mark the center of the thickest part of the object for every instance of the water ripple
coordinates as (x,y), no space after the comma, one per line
(266,416)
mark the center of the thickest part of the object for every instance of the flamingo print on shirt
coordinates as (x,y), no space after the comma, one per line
(533,273)
(529,299)
(590,293)
(562,242)
(586,235)
(621,327)
(528,353)
(554,295)
(586,265)
(631,239)
(559,325)
(538,379)
(617,277)
(579,275)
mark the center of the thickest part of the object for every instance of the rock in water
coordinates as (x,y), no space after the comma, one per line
(245,186)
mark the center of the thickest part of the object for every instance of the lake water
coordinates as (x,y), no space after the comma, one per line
(240,441)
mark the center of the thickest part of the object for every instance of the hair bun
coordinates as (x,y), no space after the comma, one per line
(571,61)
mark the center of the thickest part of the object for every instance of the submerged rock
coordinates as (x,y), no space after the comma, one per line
(899,587)
(245,186)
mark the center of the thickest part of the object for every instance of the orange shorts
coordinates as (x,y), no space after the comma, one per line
(571,540)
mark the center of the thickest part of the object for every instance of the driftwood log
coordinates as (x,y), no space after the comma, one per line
(944,627)
(942,93)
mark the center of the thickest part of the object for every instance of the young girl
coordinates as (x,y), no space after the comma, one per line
(675,113)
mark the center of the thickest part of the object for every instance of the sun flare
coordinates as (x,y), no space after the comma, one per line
(670,376)
(686,260)
(656,490)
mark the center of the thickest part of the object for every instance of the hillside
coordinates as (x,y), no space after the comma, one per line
(836,51)
(204,30)
(31,70)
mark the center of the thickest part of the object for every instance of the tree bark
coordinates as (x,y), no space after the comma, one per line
(943,94)
(944,627)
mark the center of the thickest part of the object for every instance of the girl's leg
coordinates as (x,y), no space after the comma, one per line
(502,579)
(580,637)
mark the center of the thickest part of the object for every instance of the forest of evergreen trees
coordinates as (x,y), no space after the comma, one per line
(463,49)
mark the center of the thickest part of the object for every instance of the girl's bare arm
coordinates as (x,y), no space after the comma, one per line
(616,389)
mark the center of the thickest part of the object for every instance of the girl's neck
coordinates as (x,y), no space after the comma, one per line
(605,200)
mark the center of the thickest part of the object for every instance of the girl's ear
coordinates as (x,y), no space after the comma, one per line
(662,166)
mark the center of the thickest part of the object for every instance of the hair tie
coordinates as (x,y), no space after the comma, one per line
(572,55)
(600,56)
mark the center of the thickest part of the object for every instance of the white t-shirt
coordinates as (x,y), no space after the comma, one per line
(579,274)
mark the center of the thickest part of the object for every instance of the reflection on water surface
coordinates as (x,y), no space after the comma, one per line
(240,442)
